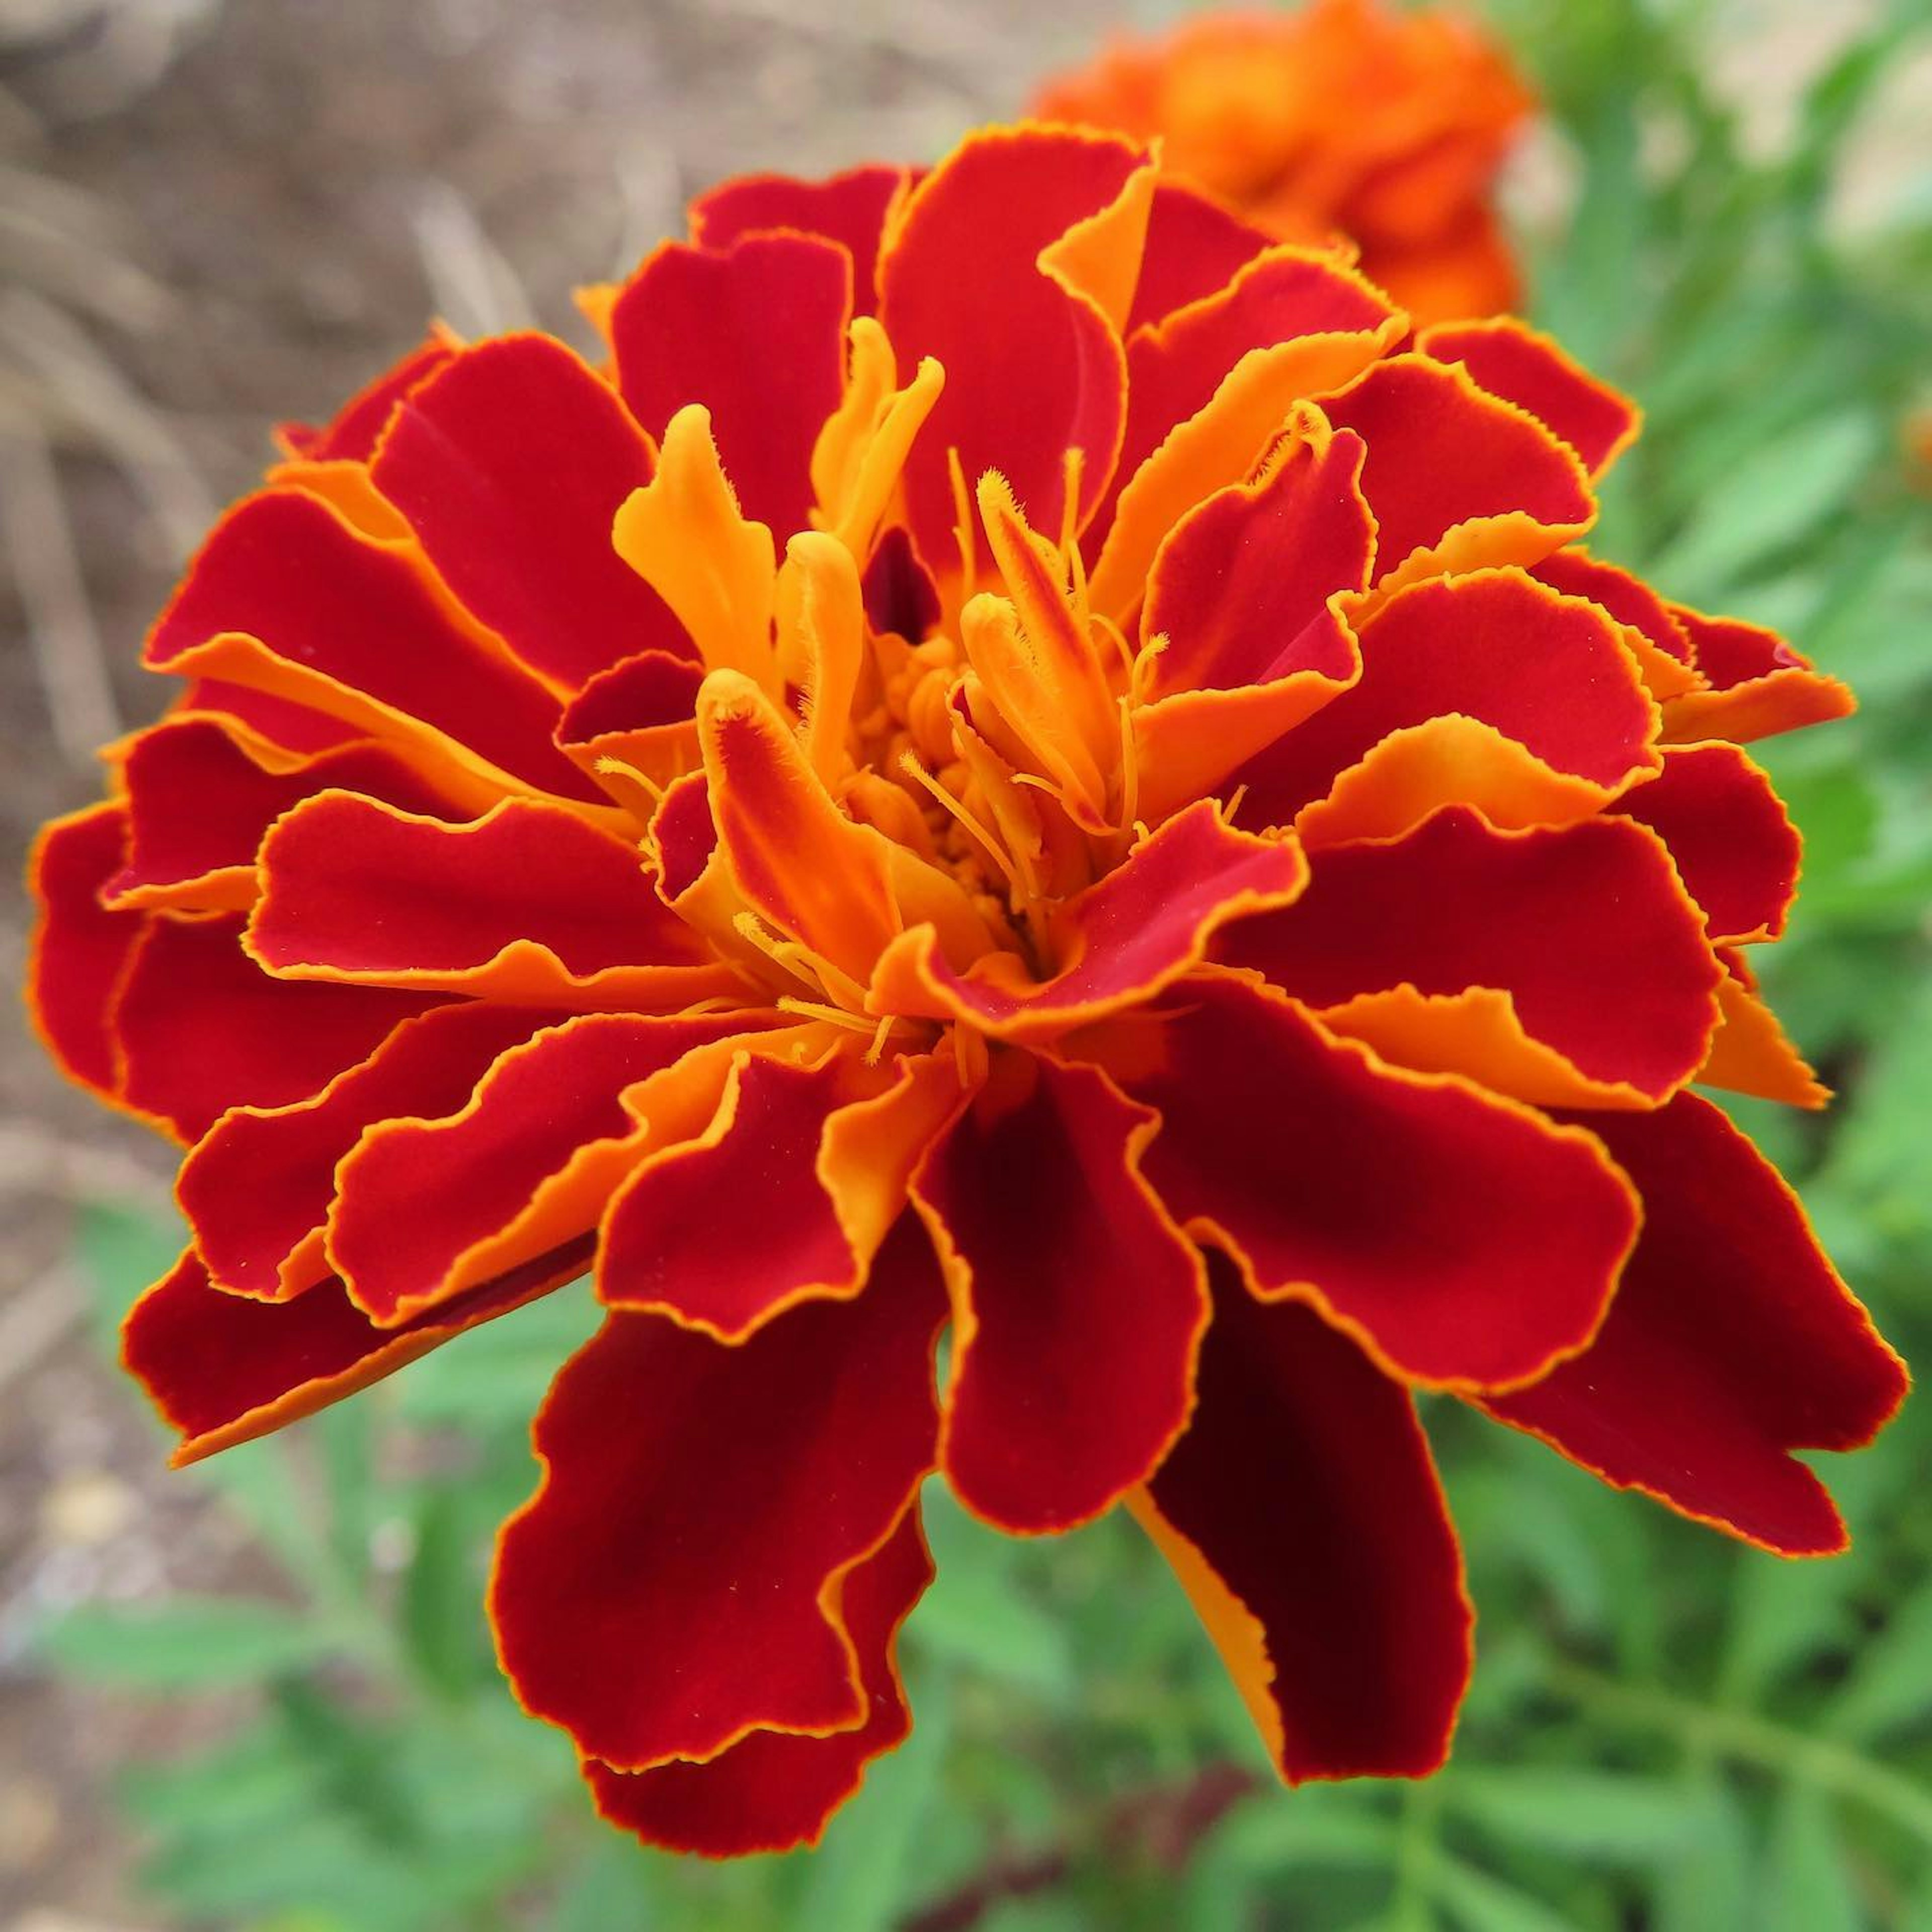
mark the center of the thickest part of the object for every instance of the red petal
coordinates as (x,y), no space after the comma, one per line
(1729,835)
(425,1208)
(199,801)
(1303,1514)
(1760,686)
(256,1189)
(203,1028)
(529,904)
(353,628)
(1078,1304)
(850,209)
(675,1584)
(1032,369)
(1524,366)
(224,1369)
(1242,578)
(510,465)
(294,727)
(1457,478)
(1458,1237)
(757,333)
(827,1151)
(82,950)
(1586,928)
(1194,247)
(1495,646)
(1141,928)
(1732,1342)
(772,1790)
(353,434)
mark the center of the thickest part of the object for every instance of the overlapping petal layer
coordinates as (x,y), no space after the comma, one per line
(1023,756)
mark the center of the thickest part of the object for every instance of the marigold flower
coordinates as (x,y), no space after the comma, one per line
(1342,117)
(1022,756)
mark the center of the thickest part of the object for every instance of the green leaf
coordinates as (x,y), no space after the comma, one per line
(188,1643)
(1478,1903)
(495,1376)
(441,1615)
(122,1250)
(1710,1885)
(1601,1817)
(1315,1825)
(1890,1686)
(1807,1887)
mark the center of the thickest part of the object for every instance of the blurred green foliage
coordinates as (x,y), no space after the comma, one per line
(1666,1732)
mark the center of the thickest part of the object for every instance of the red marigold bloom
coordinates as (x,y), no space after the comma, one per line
(1022,756)
(1342,117)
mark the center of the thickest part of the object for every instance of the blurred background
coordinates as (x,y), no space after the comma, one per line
(259,1695)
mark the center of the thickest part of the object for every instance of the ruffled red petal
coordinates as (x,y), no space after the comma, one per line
(1759,685)
(850,209)
(700,1507)
(222,1368)
(1193,248)
(1078,1304)
(773,1790)
(757,333)
(1732,1342)
(1462,1239)
(1302,1512)
(351,435)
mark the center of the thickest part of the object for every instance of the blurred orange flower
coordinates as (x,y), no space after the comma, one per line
(1343,118)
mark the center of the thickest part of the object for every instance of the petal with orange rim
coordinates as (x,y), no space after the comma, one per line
(256,1188)
(202,1028)
(353,433)
(1034,368)
(1751,1052)
(1660,643)
(82,950)
(1458,478)
(1327,1572)
(1193,246)
(1078,1304)
(201,794)
(1585,928)
(1729,836)
(222,1368)
(1119,942)
(286,597)
(1759,685)
(640,716)
(528,904)
(719,1520)
(1732,1342)
(426,1208)
(1493,649)
(756,332)
(1526,367)
(772,1790)
(1460,1238)
(826,1150)
(1239,581)
(294,727)
(851,208)
(509,464)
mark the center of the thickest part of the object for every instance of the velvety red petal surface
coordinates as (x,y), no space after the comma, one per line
(1732,1342)
(343,619)
(1030,370)
(1077,1302)
(773,1791)
(757,333)
(257,1188)
(1193,248)
(222,1368)
(1527,368)
(82,950)
(1760,686)
(1122,940)
(1585,927)
(1302,1512)
(1443,454)
(1728,833)
(510,464)
(203,1028)
(423,1206)
(352,433)
(849,208)
(824,1152)
(353,890)
(1463,1239)
(1495,645)
(699,1505)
